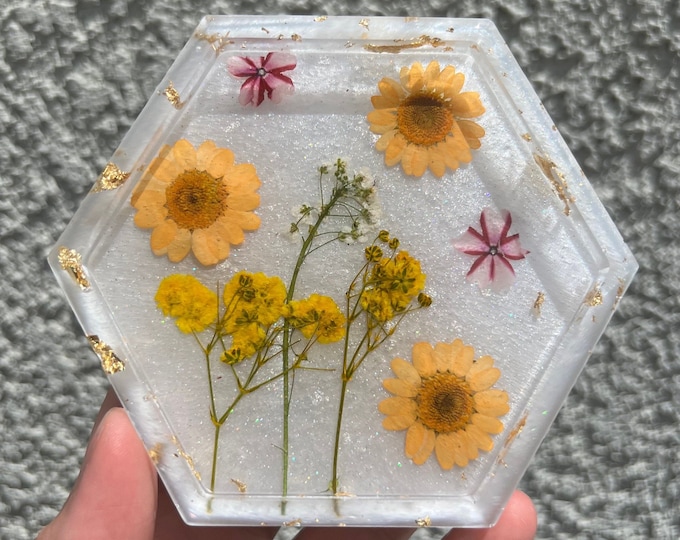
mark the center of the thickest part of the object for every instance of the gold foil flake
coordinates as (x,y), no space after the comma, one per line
(296,37)
(70,260)
(538,303)
(364,23)
(217,42)
(320,18)
(111,363)
(619,293)
(173,96)
(526,137)
(155,453)
(424,522)
(410,19)
(190,461)
(293,523)
(241,486)
(110,178)
(557,179)
(512,436)
(594,298)
(414,44)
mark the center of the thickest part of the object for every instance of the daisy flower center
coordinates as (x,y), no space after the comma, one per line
(195,200)
(445,403)
(424,119)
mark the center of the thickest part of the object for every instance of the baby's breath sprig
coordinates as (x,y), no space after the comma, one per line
(346,214)
(387,288)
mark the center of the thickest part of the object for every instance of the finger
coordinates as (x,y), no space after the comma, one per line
(115,494)
(518,522)
(352,533)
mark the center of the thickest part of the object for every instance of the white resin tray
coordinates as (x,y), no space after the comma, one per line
(371,220)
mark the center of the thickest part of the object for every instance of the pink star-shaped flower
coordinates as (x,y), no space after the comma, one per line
(494,250)
(263,74)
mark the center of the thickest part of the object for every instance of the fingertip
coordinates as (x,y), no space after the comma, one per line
(115,495)
(517,522)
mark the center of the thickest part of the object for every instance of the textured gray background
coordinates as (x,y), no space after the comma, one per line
(73,77)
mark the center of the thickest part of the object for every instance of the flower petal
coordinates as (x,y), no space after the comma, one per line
(382,118)
(184,155)
(471,243)
(419,443)
(487,424)
(467,105)
(479,438)
(383,142)
(278,86)
(279,61)
(401,388)
(491,402)
(252,92)
(204,154)
(246,220)
(512,249)
(220,162)
(242,178)
(423,359)
(397,423)
(414,160)
(398,406)
(405,371)
(241,66)
(483,380)
(394,150)
(443,355)
(209,248)
(464,355)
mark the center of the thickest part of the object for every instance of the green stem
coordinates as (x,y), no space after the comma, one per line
(304,251)
(218,424)
(338,431)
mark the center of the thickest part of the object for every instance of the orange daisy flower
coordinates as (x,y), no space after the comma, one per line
(198,200)
(423,119)
(445,402)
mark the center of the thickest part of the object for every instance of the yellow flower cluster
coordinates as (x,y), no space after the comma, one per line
(391,285)
(253,302)
(317,316)
(188,301)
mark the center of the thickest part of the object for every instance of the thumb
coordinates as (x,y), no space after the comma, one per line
(116,494)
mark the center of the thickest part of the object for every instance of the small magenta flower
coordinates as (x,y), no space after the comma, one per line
(263,74)
(494,250)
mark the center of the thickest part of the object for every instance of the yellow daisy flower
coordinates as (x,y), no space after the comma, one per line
(197,199)
(423,119)
(445,402)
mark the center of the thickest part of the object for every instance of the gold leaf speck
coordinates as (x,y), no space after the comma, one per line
(110,362)
(70,261)
(424,522)
(173,96)
(110,178)
(594,297)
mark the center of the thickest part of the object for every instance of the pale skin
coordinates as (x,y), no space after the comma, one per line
(118,496)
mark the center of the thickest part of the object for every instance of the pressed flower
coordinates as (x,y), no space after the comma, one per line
(198,200)
(246,341)
(188,301)
(264,75)
(445,402)
(424,119)
(393,283)
(493,248)
(253,298)
(317,316)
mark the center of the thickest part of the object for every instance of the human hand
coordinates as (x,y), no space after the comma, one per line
(118,497)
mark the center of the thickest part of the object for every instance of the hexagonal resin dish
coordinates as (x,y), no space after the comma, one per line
(342,271)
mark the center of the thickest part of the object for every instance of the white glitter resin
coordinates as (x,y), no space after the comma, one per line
(540,331)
